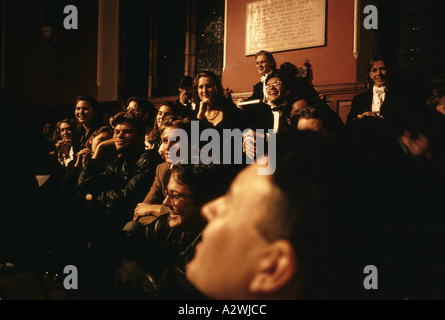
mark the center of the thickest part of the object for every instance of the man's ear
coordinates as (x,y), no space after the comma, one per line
(276,269)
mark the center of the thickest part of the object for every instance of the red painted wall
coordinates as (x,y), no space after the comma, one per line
(331,64)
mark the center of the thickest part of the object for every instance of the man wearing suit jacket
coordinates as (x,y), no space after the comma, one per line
(265,65)
(151,208)
(384,99)
(186,107)
(268,116)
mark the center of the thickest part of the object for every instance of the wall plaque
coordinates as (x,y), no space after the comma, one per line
(280,25)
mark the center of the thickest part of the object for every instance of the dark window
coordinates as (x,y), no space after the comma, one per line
(421,38)
(210,36)
(152,44)
(411,35)
(171,26)
(134,48)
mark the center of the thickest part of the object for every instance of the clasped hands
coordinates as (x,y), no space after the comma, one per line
(369,114)
(249,143)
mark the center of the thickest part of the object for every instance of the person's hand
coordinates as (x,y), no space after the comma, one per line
(369,114)
(203,107)
(105,150)
(240,100)
(183,97)
(249,144)
(82,157)
(419,146)
(142,210)
(63,146)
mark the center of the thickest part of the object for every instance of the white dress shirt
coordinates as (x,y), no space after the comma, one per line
(277,112)
(379,94)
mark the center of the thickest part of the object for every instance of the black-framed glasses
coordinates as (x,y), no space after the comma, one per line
(176,195)
(275,84)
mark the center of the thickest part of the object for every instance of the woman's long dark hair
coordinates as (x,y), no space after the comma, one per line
(220,96)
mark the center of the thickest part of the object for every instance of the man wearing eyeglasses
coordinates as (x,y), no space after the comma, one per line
(277,94)
(151,208)
(268,116)
(157,254)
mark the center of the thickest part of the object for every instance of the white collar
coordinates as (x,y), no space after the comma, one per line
(379,89)
(264,77)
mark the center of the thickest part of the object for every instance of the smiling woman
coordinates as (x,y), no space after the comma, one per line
(88,117)
(214,106)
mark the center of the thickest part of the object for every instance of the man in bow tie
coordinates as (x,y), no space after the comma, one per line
(265,65)
(396,102)
(277,93)
(269,116)
(369,104)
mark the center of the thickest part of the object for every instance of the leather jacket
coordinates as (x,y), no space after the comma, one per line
(122,184)
(164,253)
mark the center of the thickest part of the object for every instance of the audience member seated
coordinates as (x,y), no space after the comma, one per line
(63,138)
(214,106)
(268,117)
(300,81)
(115,191)
(386,97)
(104,133)
(151,208)
(145,109)
(88,117)
(369,103)
(71,229)
(166,109)
(304,115)
(185,104)
(48,135)
(308,119)
(51,170)
(281,236)
(265,65)
(155,262)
